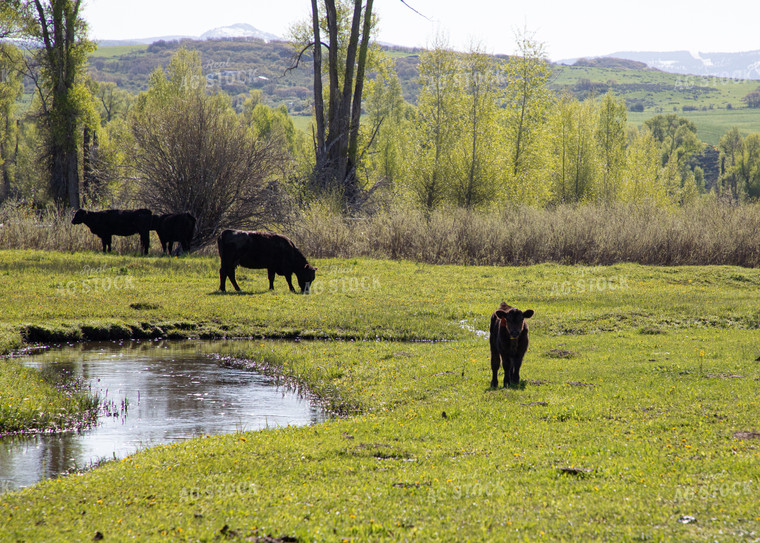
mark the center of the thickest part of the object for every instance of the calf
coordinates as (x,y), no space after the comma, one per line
(509,341)
(257,250)
(116,222)
(172,227)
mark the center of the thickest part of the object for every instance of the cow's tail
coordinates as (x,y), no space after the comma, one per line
(222,240)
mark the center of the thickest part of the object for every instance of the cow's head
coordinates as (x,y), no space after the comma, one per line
(79,216)
(514,320)
(305,277)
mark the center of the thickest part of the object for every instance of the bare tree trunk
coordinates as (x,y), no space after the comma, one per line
(336,159)
(319,102)
(356,108)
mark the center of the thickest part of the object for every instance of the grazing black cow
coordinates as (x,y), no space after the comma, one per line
(509,341)
(172,227)
(116,222)
(258,250)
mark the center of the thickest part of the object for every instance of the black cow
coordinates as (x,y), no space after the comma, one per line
(258,250)
(172,227)
(116,222)
(509,341)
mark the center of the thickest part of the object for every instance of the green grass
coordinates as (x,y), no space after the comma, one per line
(635,414)
(30,403)
(302,122)
(711,125)
(113,51)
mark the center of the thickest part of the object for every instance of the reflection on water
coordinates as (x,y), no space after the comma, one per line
(156,392)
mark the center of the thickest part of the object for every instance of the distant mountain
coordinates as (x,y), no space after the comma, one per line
(744,65)
(143,41)
(612,62)
(239,30)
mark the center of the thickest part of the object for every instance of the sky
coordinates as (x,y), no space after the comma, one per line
(568,29)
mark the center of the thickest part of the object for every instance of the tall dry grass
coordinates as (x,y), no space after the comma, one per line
(708,232)
(23,227)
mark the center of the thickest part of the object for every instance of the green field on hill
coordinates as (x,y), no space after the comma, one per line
(636,419)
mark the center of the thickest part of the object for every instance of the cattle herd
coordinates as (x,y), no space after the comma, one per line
(256,250)
(278,254)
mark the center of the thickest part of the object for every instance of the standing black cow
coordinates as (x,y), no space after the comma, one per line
(116,222)
(509,341)
(258,250)
(172,227)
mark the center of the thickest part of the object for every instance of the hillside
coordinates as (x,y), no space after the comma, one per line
(240,65)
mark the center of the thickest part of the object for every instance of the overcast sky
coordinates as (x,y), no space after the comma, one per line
(569,29)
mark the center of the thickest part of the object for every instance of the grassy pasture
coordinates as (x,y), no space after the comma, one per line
(113,51)
(636,420)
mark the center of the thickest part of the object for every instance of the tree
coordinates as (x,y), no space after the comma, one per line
(387,126)
(641,181)
(112,101)
(194,154)
(10,90)
(59,28)
(574,143)
(474,182)
(438,126)
(731,147)
(749,165)
(752,99)
(527,100)
(611,139)
(337,126)
(676,136)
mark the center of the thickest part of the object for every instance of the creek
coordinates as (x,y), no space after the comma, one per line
(151,393)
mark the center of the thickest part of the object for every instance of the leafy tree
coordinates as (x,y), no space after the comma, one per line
(10,90)
(387,126)
(641,181)
(61,31)
(112,101)
(574,142)
(749,165)
(611,141)
(731,147)
(474,182)
(527,100)
(676,135)
(438,126)
(752,99)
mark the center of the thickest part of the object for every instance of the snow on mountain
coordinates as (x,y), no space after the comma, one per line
(239,30)
(745,65)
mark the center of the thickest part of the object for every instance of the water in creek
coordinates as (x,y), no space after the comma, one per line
(158,392)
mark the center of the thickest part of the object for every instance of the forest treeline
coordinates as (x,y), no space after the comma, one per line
(486,133)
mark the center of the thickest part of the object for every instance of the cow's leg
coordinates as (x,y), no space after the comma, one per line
(231,275)
(289,278)
(495,363)
(107,243)
(514,376)
(270,274)
(145,241)
(103,241)
(222,278)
